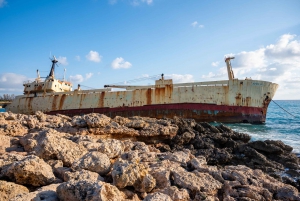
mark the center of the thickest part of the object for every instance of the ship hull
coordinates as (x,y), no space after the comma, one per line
(229,101)
(198,111)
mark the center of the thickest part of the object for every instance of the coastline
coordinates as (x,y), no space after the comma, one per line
(141,158)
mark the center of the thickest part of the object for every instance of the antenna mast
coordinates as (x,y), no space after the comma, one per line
(229,68)
(54,61)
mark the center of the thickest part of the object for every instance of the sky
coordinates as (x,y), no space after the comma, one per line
(99,42)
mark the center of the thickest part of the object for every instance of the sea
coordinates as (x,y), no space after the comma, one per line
(282,123)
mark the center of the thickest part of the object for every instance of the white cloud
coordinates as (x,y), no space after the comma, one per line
(177,78)
(112,2)
(120,63)
(201,26)
(194,24)
(215,64)
(278,62)
(77,58)
(76,78)
(2,3)
(88,75)
(79,78)
(12,83)
(94,56)
(138,2)
(147,1)
(62,60)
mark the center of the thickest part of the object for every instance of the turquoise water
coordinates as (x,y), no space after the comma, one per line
(279,124)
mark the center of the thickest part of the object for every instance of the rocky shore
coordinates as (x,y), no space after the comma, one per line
(94,157)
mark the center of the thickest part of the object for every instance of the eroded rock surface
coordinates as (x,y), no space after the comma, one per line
(94,157)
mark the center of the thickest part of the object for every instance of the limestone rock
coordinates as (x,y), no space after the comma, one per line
(45,193)
(31,170)
(78,121)
(134,174)
(88,190)
(50,144)
(4,143)
(196,181)
(9,190)
(13,128)
(95,120)
(176,194)
(93,161)
(162,177)
(157,197)
(111,147)
(82,175)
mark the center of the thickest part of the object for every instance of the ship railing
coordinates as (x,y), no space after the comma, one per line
(210,83)
(28,82)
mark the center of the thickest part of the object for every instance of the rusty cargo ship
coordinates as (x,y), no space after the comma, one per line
(229,101)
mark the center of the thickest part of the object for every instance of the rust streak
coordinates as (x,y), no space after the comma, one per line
(101,99)
(54,102)
(62,100)
(148,95)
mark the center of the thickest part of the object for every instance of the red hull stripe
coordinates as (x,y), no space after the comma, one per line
(197,111)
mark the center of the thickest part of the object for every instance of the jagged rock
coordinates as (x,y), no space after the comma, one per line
(87,190)
(7,159)
(262,146)
(157,197)
(9,190)
(121,120)
(280,144)
(162,177)
(176,194)
(45,193)
(244,182)
(95,120)
(126,173)
(93,161)
(82,175)
(136,124)
(78,121)
(50,144)
(31,170)
(196,181)
(111,147)
(181,157)
(4,143)
(258,158)
(13,128)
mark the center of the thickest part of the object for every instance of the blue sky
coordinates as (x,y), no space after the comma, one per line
(101,42)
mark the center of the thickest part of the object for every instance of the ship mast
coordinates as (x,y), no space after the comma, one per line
(229,68)
(54,61)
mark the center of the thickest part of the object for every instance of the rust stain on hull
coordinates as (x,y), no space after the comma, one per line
(199,112)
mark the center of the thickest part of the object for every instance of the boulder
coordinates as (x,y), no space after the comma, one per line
(130,173)
(176,194)
(30,171)
(196,181)
(9,190)
(162,177)
(50,144)
(111,147)
(45,193)
(87,190)
(82,175)
(93,161)
(157,197)
(268,148)
(4,143)
(96,120)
